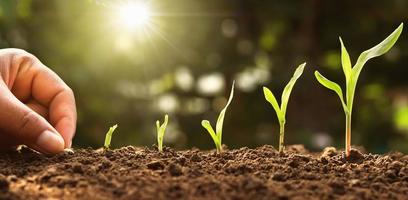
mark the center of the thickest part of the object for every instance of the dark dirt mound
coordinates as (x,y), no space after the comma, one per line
(261,173)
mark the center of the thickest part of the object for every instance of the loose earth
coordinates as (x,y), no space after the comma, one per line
(261,173)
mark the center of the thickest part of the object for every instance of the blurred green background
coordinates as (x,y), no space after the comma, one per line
(183,59)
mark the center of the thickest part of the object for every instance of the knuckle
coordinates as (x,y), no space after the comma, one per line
(24,57)
(14,58)
(21,59)
(18,55)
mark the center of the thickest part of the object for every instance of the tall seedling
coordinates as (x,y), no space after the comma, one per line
(281,111)
(352,74)
(217,135)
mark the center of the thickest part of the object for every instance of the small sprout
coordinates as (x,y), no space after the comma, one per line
(352,74)
(160,132)
(281,111)
(217,136)
(108,136)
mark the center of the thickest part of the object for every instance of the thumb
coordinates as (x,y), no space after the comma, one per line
(26,126)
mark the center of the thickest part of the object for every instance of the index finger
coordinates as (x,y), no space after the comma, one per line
(51,91)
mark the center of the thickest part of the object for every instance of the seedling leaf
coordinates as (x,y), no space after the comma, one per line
(272,100)
(333,86)
(207,125)
(108,136)
(160,132)
(220,120)
(345,61)
(289,87)
(377,50)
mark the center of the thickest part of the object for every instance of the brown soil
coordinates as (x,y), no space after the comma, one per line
(261,173)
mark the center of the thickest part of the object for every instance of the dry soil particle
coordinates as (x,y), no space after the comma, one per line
(261,173)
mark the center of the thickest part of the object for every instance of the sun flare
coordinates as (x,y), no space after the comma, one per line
(134,15)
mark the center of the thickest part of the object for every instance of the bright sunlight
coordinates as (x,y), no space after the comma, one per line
(134,15)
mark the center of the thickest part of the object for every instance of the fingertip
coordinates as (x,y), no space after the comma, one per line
(50,142)
(66,128)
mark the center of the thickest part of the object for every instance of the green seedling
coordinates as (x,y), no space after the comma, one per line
(352,74)
(108,136)
(281,111)
(217,136)
(161,129)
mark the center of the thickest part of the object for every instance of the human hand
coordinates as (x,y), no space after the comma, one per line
(36,107)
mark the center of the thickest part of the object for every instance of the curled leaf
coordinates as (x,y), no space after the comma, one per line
(108,136)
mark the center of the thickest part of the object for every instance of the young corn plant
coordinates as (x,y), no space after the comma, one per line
(108,136)
(352,74)
(217,135)
(281,111)
(161,129)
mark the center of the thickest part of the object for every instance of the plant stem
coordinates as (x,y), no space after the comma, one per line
(348,134)
(160,146)
(219,148)
(281,136)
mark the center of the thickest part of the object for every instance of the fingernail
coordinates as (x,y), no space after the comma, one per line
(50,142)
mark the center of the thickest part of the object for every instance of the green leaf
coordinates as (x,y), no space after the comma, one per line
(158,125)
(164,125)
(345,61)
(206,124)
(377,50)
(289,87)
(333,86)
(272,100)
(108,136)
(220,120)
